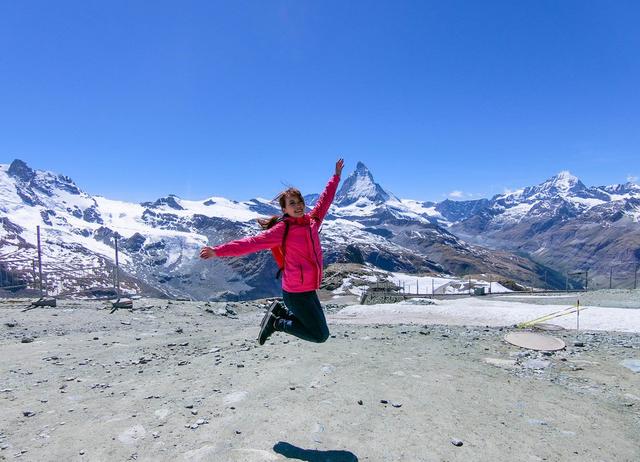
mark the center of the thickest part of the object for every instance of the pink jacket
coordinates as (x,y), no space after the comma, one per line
(303,254)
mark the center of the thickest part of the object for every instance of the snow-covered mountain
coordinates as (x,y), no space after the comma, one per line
(560,222)
(159,241)
(360,190)
(562,191)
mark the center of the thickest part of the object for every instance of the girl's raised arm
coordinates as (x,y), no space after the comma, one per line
(326,198)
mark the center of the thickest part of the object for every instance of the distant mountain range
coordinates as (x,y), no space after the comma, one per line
(560,223)
(532,236)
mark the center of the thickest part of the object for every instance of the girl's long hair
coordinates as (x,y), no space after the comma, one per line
(266,223)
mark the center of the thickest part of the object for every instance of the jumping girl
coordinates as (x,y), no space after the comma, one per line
(294,236)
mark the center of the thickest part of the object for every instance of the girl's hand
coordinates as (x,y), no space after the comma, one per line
(207,252)
(339,166)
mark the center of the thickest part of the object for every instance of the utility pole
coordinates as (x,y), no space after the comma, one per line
(124,302)
(577,318)
(33,272)
(566,282)
(39,262)
(117,268)
(586,280)
(635,279)
(610,277)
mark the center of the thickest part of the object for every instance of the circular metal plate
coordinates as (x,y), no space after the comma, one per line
(533,341)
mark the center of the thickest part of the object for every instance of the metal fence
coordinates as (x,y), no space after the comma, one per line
(25,273)
(619,276)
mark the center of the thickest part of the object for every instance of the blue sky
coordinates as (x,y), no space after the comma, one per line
(135,100)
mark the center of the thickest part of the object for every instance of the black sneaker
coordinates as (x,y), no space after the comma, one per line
(267,329)
(278,309)
(267,325)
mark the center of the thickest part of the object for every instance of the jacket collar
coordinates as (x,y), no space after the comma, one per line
(303,220)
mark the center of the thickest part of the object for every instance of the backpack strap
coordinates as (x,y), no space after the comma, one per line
(279,252)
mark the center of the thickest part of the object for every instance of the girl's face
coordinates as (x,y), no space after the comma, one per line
(294,206)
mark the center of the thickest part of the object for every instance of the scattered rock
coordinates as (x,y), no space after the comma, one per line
(503,363)
(631,364)
(537,422)
(132,434)
(456,442)
(536,364)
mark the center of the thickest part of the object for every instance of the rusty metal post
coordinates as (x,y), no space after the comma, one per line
(39,261)
(611,277)
(117,268)
(586,280)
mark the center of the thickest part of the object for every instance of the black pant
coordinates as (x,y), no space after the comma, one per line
(306,319)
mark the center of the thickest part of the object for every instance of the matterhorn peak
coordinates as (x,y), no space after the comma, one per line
(361,185)
(362,169)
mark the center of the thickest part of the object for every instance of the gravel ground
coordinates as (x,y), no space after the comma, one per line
(187,381)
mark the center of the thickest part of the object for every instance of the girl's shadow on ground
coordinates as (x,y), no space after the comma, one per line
(311,455)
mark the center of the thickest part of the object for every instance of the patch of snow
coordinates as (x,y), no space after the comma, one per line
(586,202)
(477,311)
(222,208)
(515,213)
(419,208)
